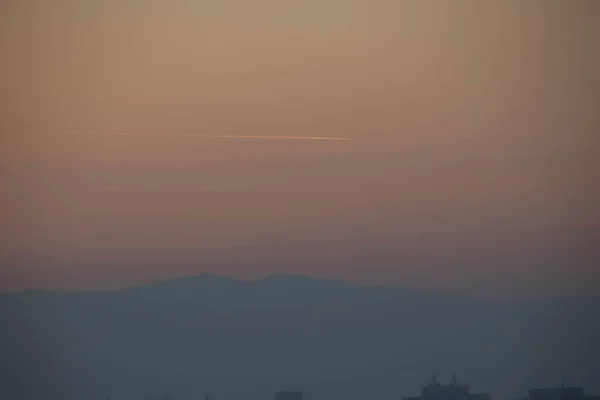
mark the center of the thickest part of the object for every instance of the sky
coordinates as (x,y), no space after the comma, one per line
(137,143)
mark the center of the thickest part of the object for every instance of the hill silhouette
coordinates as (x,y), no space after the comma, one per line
(245,340)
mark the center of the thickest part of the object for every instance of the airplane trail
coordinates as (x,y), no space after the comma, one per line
(263,137)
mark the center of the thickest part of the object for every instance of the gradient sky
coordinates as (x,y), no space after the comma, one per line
(472,167)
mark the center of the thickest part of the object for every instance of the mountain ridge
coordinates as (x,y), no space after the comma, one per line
(212,280)
(334,340)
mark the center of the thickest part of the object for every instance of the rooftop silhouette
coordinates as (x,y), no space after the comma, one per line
(451,391)
(285,395)
(560,393)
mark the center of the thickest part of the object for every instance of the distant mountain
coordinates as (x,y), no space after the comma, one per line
(243,340)
(274,291)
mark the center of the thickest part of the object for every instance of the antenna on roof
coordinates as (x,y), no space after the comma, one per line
(454,379)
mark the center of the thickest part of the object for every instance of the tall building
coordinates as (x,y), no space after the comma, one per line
(288,396)
(452,391)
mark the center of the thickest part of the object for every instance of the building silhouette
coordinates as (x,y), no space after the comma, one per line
(452,391)
(288,396)
(561,393)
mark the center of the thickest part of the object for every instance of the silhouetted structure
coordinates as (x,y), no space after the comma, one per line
(288,396)
(561,393)
(453,391)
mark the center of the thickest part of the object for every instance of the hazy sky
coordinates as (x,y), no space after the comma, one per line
(472,166)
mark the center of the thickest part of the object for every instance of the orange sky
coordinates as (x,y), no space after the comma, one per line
(471,169)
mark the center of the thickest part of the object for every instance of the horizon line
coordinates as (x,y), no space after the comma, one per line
(252,280)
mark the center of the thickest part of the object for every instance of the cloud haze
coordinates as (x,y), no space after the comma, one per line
(473,166)
(191,135)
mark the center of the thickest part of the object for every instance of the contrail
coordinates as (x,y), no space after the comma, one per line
(219,136)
